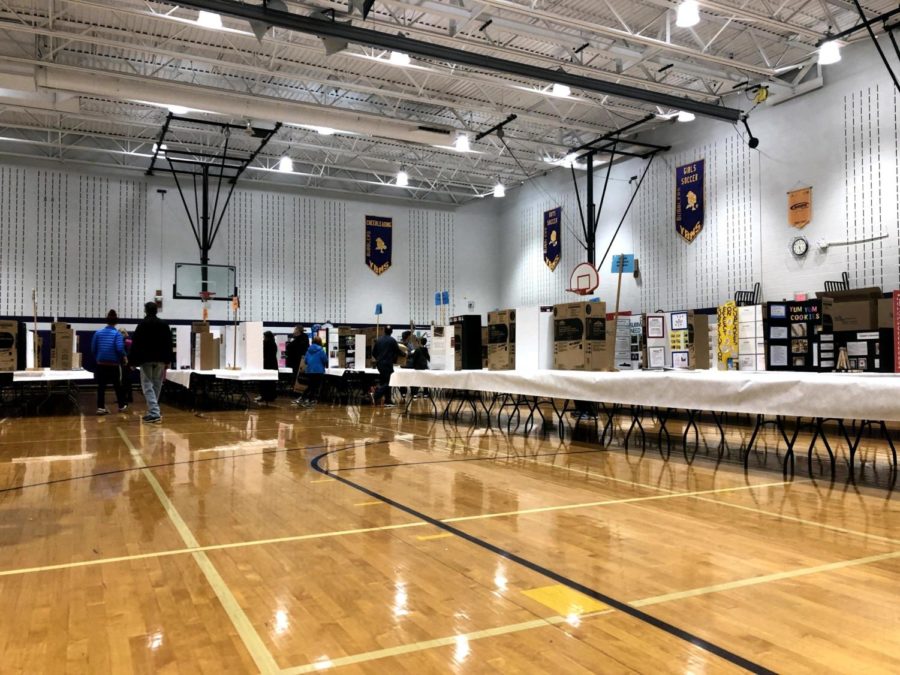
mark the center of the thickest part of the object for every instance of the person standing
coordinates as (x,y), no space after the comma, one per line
(316,363)
(420,361)
(294,353)
(268,390)
(108,349)
(385,352)
(151,350)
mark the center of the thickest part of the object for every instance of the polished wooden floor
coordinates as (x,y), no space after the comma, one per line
(214,544)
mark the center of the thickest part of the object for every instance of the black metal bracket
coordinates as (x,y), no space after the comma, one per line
(223,166)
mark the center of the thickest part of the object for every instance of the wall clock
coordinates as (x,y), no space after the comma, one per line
(799,246)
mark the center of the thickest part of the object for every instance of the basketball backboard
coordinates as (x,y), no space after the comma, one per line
(191,279)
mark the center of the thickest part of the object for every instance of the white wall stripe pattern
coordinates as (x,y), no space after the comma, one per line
(431,262)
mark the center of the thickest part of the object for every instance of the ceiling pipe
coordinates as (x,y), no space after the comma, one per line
(243,106)
(324,28)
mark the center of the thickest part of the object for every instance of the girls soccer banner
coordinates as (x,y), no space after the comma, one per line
(689,200)
(552,237)
(378,243)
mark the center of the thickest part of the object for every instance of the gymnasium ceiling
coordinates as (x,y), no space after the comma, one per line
(73,75)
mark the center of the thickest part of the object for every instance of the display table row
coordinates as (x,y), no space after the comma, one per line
(793,394)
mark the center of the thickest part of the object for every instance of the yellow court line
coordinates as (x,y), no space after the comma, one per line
(698,496)
(429,537)
(765,579)
(556,620)
(376,502)
(254,644)
(449,641)
(322,480)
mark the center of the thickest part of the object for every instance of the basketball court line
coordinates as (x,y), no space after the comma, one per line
(624,607)
(239,619)
(674,493)
(409,648)
(450,641)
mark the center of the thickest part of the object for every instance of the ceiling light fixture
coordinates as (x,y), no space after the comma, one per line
(499,190)
(684,116)
(829,52)
(688,14)
(402,178)
(322,131)
(560,90)
(178,109)
(399,59)
(209,20)
(286,165)
(461,143)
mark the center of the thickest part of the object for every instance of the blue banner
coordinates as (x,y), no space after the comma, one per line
(552,237)
(378,243)
(626,262)
(689,200)
(445,298)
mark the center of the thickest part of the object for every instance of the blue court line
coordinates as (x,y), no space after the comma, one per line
(624,607)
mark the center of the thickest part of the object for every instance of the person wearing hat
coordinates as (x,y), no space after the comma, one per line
(108,348)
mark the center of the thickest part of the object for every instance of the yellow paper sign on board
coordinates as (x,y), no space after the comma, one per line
(800,207)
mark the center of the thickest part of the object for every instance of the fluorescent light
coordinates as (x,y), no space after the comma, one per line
(286,165)
(178,110)
(162,148)
(399,59)
(684,116)
(402,179)
(829,52)
(688,14)
(560,90)
(499,190)
(323,131)
(461,144)
(209,20)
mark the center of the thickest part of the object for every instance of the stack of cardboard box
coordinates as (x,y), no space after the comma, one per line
(501,340)
(11,344)
(62,354)
(207,347)
(582,338)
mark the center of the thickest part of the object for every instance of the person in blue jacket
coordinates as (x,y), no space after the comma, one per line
(316,362)
(108,348)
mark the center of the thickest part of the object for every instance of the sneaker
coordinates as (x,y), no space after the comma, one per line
(152,419)
(102,411)
(123,408)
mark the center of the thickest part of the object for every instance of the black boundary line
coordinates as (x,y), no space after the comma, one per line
(633,612)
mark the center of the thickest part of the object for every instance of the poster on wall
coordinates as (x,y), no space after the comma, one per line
(800,207)
(378,243)
(689,200)
(552,237)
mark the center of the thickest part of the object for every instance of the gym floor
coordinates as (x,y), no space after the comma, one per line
(358,540)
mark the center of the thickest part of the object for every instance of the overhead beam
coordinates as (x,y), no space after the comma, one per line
(363,36)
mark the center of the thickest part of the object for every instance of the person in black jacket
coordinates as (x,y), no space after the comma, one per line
(296,349)
(151,350)
(268,390)
(385,352)
(420,360)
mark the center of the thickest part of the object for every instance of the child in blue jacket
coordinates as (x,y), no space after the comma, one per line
(316,362)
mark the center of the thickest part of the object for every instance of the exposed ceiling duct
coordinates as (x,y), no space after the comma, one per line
(236,105)
(399,43)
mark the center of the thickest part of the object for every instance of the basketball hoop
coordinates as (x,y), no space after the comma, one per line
(584,279)
(206,296)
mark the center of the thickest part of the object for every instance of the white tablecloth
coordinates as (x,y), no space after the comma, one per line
(51,375)
(796,394)
(183,377)
(247,375)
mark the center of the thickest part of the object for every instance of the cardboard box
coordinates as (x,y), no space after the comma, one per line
(701,342)
(58,326)
(63,352)
(209,350)
(885,313)
(501,340)
(850,315)
(200,327)
(581,339)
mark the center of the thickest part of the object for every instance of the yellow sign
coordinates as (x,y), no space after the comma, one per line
(800,207)
(728,334)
